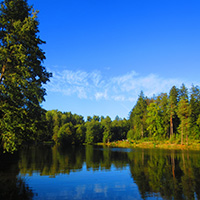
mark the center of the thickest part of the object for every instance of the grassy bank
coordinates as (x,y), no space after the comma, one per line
(192,145)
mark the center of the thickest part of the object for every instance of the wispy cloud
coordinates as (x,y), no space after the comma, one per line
(92,85)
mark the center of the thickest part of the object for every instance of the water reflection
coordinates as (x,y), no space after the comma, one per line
(90,172)
(12,186)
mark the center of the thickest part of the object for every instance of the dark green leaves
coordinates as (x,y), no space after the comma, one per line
(21,73)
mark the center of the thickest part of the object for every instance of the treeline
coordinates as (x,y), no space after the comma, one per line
(67,128)
(173,116)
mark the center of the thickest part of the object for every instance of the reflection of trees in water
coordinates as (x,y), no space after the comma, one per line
(51,161)
(170,174)
(12,187)
(54,160)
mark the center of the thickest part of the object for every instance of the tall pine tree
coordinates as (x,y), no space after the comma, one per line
(173,104)
(184,113)
(138,116)
(195,110)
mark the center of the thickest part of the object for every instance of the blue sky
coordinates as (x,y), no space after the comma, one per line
(102,53)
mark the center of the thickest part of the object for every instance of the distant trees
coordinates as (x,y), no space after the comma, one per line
(173,116)
(167,117)
(154,120)
(138,118)
(173,103)
(119,129)
(62,127)
(94,130)
(67,128)
(107,133)
(195,111)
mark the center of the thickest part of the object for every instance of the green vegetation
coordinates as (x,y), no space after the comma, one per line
(173,117)
(67,128)
(21,74)
(149,143)
(164,121)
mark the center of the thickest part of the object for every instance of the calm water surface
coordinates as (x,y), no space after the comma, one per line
(94,172)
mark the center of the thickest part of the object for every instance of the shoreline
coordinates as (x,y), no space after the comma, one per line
(153,144)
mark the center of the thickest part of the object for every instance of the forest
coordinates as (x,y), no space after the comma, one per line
(167,116)
(173,116)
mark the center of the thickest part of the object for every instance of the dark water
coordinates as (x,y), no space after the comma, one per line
(92,172)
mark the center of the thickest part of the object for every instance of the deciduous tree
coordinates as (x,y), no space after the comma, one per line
(154,120)
(22,73)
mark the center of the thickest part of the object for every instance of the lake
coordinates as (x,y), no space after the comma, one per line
(96,172)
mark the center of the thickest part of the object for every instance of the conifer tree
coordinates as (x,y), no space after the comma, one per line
(173,101)
(195,109)
(163,103)
(138,116)
(184,113)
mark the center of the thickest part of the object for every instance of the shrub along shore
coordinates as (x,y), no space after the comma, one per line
(167,144)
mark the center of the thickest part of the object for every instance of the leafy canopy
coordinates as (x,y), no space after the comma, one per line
(22,74)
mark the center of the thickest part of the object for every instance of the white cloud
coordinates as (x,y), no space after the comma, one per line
(92,85)
(118,98)
(101,95)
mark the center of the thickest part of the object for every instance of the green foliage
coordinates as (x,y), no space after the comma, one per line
(80,134)
(184,113)
(167,117)
(21,74)
(65,134)
(172,107)
(138,117)
(198,120)
(94,132)
(119,129)
(183,92)
(195,110)
(65,128)
(107,134)
(131,135)
(163,103)
(158,117)
(154,120)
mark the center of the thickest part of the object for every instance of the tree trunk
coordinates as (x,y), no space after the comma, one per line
(186,131)
(187,139)
(142,131)
(171,126)
(182,135)
(2,72)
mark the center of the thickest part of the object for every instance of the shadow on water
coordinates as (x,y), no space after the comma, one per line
(162,173)
(12,186)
